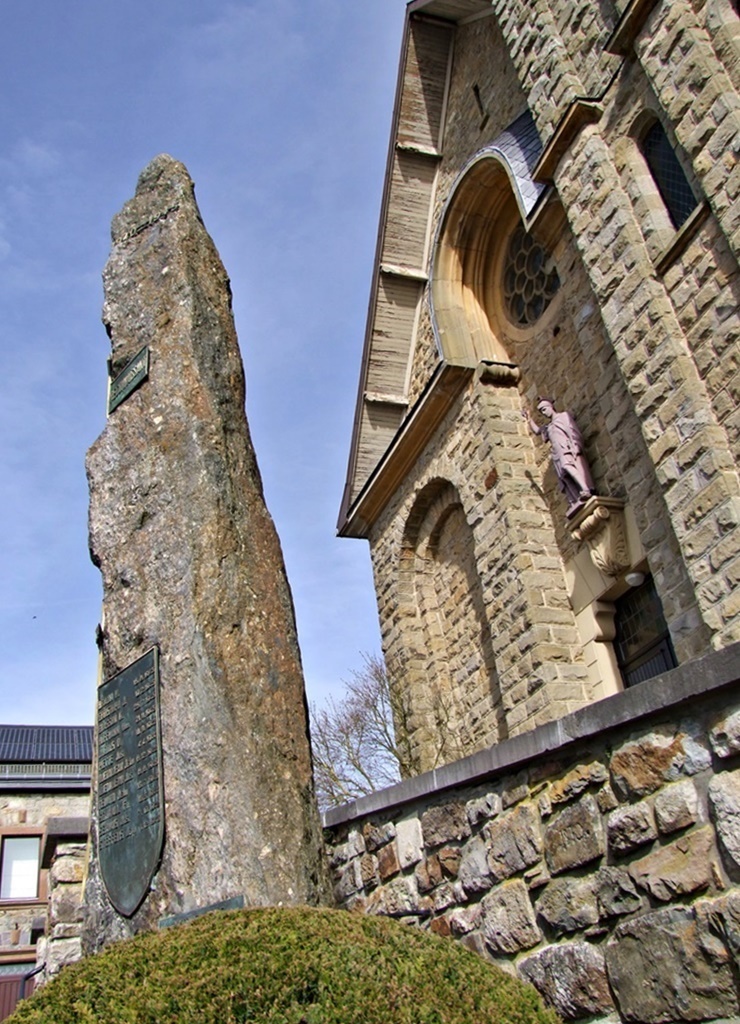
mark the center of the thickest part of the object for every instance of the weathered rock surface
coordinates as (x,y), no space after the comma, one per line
(513,843)
(677,807)
(474,874)
(571,978)
(639,768)
(445,823)
(615,892)
(686,976)
(631,826)
(191,562)
(508,921)
(568,905)
(575,837)
(409,842)
(682,867)
(725,736)
(724,801)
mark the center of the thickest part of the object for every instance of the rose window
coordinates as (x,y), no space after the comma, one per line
(530,279)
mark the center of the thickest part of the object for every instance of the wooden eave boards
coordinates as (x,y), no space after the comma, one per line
(403,248)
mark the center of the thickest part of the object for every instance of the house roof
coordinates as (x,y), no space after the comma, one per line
(45,756)
(33,744)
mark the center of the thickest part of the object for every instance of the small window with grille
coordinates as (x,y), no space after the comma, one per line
(668,174)
(642,641)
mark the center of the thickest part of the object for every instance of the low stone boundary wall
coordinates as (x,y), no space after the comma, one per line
(64,853)
(597,856)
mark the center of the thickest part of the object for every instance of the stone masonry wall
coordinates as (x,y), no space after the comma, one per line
(598,856)
(62,942)
(675,381)
(640,346)
(24,813)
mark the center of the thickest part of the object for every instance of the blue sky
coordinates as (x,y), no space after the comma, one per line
(281,111)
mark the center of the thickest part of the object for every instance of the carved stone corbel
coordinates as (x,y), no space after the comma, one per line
(600,524)
(500,375)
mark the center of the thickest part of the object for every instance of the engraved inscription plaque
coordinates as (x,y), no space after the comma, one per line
(129,785)
(128,379)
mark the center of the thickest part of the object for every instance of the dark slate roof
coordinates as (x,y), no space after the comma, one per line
(40,744)
(519,148)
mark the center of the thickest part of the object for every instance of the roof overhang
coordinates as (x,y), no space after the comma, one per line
(445,384)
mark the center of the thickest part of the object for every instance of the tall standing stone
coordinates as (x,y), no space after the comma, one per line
(192,568)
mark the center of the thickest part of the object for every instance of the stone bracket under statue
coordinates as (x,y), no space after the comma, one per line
(600,523)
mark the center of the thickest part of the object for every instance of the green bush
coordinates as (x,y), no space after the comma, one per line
(284,966)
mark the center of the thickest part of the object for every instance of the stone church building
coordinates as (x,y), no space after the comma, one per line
(545,464)
(561,219)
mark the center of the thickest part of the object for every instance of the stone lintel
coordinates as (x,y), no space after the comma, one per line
(62,830)
(693,682)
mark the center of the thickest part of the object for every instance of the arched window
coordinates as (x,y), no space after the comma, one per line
(642,642)
(668,174)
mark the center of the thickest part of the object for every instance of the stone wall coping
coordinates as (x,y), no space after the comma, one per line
(60,830)
(657,696)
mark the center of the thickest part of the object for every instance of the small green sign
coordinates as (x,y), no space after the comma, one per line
(128,379)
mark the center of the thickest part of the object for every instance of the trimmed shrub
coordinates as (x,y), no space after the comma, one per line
(284,966)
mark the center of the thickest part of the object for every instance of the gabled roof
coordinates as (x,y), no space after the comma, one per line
(44,757)
(33,744)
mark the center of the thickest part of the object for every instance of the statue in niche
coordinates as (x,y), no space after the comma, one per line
(566,449)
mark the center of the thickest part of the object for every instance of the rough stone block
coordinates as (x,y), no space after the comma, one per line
(355,843)
(629,827)
(444,897)
(397,899)
(724,802)
(428,873)
(445,823)
(640,767)
(61,952)
(683,867)
(449,859)
(474,873)
(571,978)
(369,871)
(575,837)
(725,735)
(483,808)
(440,926)
(376,836)
(687,976)
(64,904)
(350,881)
(722,918)
(508,922)
(676,807)
(576,781)
(514,842)
(615,892)
(568,905)
(388,862)
(465,919)
(409,842)
(67,869)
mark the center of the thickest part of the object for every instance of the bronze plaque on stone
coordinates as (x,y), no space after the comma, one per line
(128,379)
(130,804)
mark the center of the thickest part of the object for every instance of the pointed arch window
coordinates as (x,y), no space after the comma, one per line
(668,174)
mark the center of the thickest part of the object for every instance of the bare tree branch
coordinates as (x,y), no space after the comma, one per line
(361,741)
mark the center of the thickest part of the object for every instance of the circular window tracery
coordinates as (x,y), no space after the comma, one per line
(530,279)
